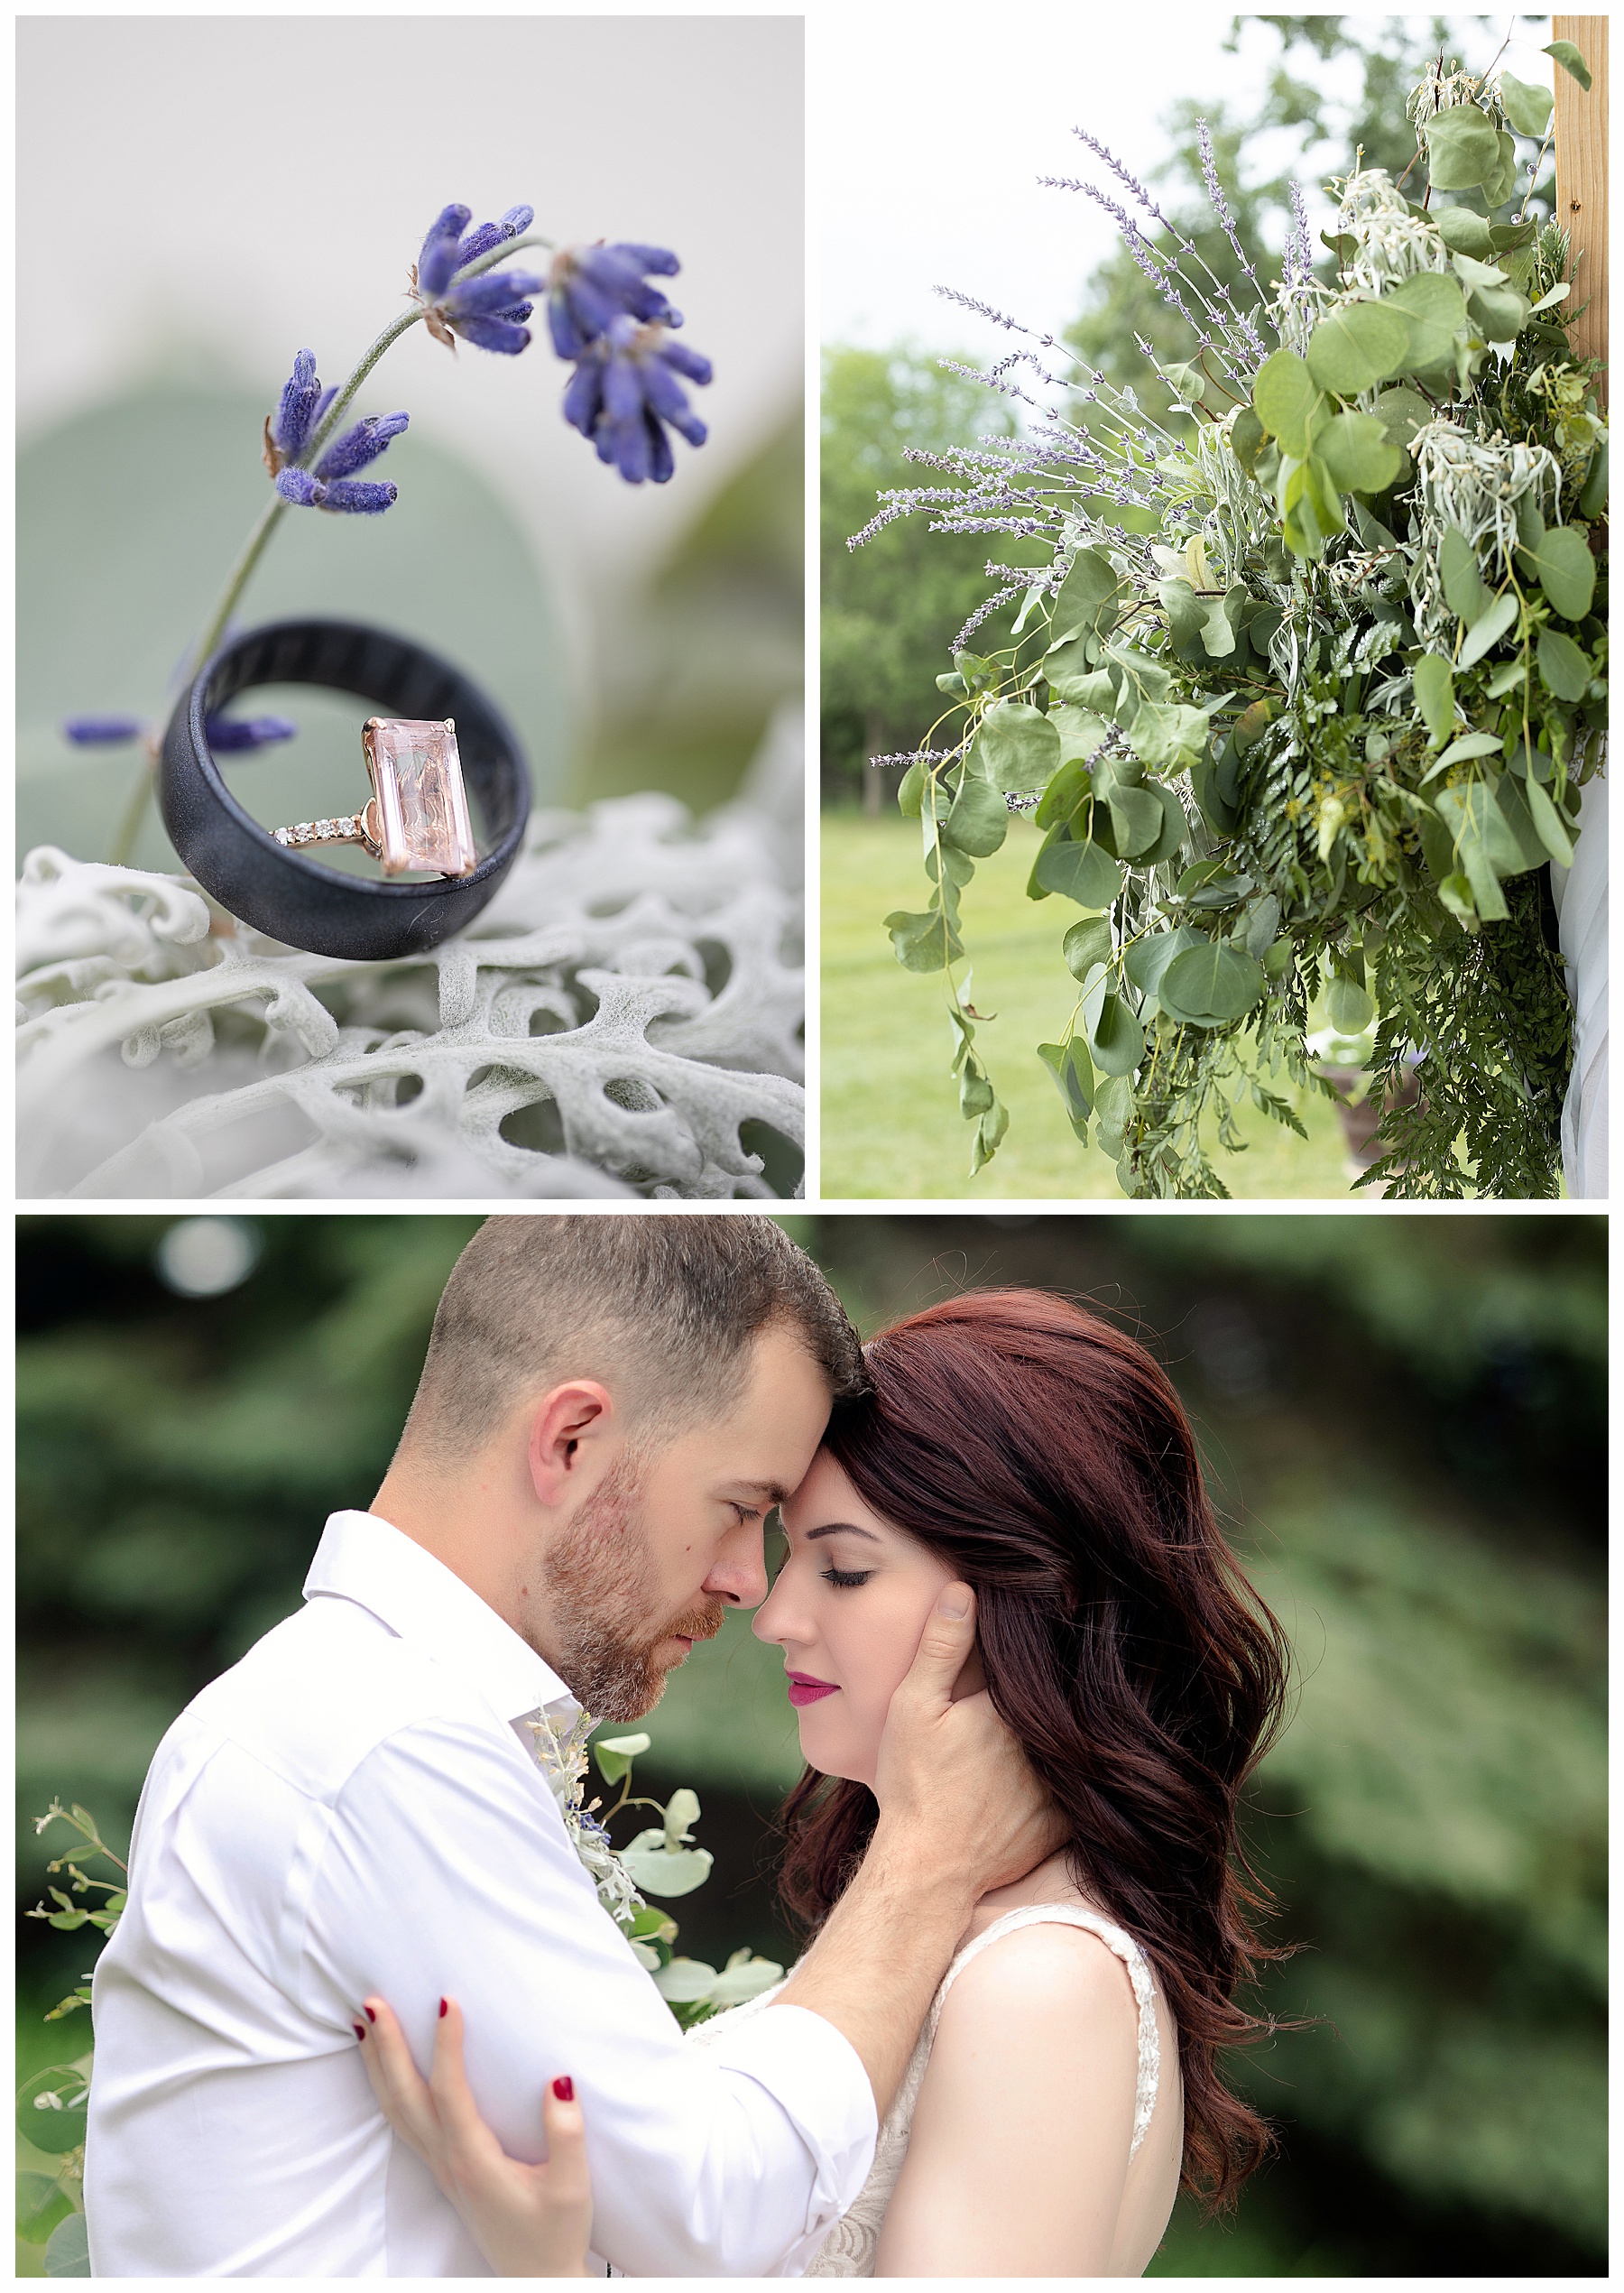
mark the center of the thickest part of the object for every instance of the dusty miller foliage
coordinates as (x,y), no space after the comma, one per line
(1306,697)
(624,1020)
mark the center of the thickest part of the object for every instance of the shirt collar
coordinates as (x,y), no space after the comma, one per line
(360,1558)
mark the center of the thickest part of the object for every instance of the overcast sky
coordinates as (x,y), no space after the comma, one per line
(932,145)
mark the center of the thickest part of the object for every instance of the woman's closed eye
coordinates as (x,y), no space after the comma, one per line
(845,1576)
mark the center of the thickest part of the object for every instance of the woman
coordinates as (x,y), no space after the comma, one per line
(1067,2078)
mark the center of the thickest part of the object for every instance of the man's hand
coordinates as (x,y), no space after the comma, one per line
(954,1786)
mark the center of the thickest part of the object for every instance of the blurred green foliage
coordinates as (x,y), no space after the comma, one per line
(1405,1420)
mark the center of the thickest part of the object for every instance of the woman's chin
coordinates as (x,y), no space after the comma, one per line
(829,1757)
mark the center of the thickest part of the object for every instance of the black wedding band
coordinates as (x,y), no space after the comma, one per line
(279,891)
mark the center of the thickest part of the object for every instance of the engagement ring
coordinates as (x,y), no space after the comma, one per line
(417,815)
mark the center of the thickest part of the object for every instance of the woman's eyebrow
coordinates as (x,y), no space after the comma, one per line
(840,1528)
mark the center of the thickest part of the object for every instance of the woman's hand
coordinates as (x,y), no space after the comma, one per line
(528,2220)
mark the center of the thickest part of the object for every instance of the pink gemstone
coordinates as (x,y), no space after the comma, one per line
(422,809)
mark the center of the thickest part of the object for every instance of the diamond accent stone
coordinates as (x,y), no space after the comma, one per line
(422,807)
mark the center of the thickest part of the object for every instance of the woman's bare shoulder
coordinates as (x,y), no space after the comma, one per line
(1050,1968)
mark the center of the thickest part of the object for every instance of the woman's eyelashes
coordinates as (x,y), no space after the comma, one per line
(845,1578)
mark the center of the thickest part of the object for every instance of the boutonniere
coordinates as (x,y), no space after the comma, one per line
(662,1859)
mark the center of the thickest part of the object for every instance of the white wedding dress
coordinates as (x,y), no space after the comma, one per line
(851,2246)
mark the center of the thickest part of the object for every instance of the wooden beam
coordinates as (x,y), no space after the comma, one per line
(1582,181)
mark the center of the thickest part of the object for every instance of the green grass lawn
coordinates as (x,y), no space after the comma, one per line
(891,1127)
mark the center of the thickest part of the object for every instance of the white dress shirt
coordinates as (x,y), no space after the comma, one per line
(356,1807)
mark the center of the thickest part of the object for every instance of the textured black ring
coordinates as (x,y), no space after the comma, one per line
(279,891)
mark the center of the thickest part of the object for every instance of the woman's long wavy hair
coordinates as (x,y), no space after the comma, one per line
(1045,1458)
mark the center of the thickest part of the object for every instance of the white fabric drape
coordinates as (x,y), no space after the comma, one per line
(1580,893)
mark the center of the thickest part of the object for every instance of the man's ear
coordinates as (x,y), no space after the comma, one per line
(566,1439)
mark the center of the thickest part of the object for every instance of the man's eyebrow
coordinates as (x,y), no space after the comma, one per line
(840,1528)
(773,1491)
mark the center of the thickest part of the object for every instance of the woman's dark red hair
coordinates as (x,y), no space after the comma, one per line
(1046,1457)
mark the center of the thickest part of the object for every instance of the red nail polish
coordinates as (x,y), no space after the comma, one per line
(369,2014)
(442,2010)
(564,2089)
(359,2029)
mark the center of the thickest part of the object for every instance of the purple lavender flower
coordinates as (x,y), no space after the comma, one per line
(102,732)
(513,225)
(226,733)
(489,311)
(436,265)
(589,287)
(328,486)
(625,390)
(297,419)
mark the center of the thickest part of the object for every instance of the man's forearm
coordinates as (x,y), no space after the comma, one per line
(875,1967)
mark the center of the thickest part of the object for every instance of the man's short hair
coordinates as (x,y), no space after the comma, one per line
(664,1311)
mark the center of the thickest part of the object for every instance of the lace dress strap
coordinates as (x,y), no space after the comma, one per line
(1116,1938)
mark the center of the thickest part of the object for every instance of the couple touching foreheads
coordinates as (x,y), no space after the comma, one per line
(1030,1681)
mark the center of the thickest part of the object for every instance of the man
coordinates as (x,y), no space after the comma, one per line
(610,1406)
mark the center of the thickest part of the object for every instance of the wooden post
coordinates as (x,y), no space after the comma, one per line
(1582,181)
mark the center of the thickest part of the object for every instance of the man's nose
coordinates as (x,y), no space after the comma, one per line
(739,1576)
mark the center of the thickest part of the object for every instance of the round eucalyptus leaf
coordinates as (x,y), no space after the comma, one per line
(1147,959)
(1356,451)
(660,1870)
(1462,148)
(1286,399)
(1356,346)
(1564,569)
(1464,231)
(1175,829)
(1080,872)
(1563,669)
(1435,311)
(1247,435)
(1212,985)
(686,1981)
(41,2204)
(1500,311)
(1572,60)
(1086,944)
(51,2110)
(979,820)
(1116,1039)
(1347,1006)
(1087,597)
(1498,183)
(1017,748)
(69,2252)
(1136,821)
(1527,105)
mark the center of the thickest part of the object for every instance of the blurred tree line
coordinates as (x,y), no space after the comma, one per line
(891,610)
(1405,1419)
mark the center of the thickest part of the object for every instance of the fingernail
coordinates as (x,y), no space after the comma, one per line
(442,2010)
(564,2089)
(953,1604)
(359,2029)
(369,2014)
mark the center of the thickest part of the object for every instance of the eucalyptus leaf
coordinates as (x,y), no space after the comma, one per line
(684,1981)
(1549,824)
(1469,745)
(1086,944)
(40,2203)
(1081,732)
(1468,595)
(1074,1075)
(926,942)
(67,2252)
(51,2110)
(1435,311)
(1564,569)
(1497,184)
(979,820)
(1354,348)
(1402,413)
(1262,926)
(1175,829)
(1116,1038)
(1510,796)
(1357,453)
(1070,787)
(1433,681)
(1464,231)
(1592,498)
(1563,669)
(1527,105)
(1209,986)
(1487,629)
(1017,748)
(1348,1006)
(1572,60)
(1089,596)
(1079,872)
(1147,959)
(1136,821)
(911,792)
(1552,297)
(1500,312)
(1462,148)
(1286,399)
(657,1869)
(1247,435)
(1186,614)
(1169,735)
(1090,689)
(614,1755)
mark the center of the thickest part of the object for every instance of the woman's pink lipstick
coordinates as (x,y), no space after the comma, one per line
(805,1690)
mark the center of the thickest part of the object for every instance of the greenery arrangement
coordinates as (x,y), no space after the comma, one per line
(660,1861)
(1307,693)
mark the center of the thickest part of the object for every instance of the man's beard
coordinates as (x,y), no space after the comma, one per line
(601,1602)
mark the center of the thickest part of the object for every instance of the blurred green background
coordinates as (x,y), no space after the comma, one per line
(1404,1418)
(130,514)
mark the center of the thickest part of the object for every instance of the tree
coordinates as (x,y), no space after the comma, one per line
(890,609)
